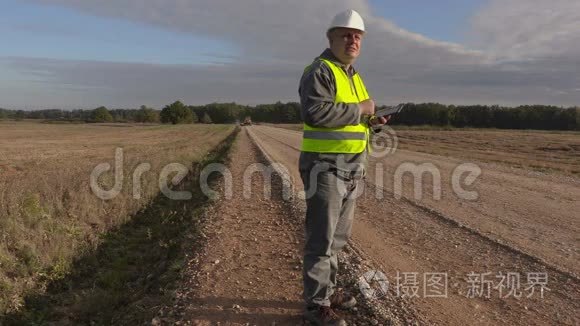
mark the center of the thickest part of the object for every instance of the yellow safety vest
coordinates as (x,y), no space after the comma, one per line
(347,139)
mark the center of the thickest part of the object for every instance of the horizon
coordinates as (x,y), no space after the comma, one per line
(284,103)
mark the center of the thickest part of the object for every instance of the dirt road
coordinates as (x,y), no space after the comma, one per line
(521,222)
(250,270)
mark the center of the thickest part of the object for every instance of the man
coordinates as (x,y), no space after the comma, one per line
(337,112)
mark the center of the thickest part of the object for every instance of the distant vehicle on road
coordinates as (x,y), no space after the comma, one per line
(247,122)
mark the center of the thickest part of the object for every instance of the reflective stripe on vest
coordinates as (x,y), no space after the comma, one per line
(347,139)
(334,135)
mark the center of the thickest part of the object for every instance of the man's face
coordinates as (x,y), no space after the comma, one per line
(345,43)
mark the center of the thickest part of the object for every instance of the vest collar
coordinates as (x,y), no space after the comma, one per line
(328,55)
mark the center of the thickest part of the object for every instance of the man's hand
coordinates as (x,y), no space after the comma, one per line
(379,121)
(367,107)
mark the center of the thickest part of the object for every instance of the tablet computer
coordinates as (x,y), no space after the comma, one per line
(390,110)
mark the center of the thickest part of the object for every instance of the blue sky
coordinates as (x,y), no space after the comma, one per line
(35,30)
(443,20)
(125,53)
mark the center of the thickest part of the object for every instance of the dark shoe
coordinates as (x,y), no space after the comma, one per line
(341,300)
(323,316)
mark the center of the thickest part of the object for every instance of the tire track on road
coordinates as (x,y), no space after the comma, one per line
(249,272)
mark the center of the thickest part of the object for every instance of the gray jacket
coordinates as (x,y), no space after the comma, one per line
(317,92)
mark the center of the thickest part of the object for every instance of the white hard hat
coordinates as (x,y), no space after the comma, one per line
(348,19)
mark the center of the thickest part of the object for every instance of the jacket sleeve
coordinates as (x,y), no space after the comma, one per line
(317,93)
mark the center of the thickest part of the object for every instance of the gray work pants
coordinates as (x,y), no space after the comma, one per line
(329,215)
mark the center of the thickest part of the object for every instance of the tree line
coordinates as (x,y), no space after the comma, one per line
(478,116)
(175,113)
(483,116)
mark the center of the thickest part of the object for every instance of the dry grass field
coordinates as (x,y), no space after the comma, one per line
(68,257)
(536,150)
(48,213)
(555,151)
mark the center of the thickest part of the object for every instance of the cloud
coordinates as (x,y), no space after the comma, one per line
(265,30)
(509,60)
(528,29)
(284,30)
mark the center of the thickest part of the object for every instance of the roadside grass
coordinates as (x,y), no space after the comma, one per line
(132,271)
(48,214)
